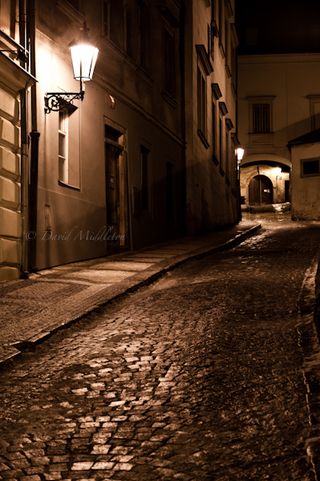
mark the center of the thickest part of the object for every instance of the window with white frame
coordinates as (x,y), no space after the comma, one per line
(69,148)
(63,147)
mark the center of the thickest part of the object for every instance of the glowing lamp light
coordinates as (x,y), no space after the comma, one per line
(239,153)
(84,57)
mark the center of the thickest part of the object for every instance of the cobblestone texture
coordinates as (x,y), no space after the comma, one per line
(197,378)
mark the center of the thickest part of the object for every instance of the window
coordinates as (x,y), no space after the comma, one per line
(68,151)
(223,110)
(144,156)
(216,95)
(233,61)
(261,114)
(310,167)
(131,33)
(261,118)
(143,35)
(227,147)
(202,103)
(169,62)
(8,15)
(63,147)
(212,30)
(214,131)
(314,105)
(113,21)
(221,144)
(222,32)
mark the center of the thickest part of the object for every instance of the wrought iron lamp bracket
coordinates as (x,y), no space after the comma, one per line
(57,101)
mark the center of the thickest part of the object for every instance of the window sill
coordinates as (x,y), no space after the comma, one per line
(68,186)
(203,138)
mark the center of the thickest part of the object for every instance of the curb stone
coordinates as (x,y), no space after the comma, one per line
(309,343)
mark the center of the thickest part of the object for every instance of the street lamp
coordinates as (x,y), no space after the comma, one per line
(84,56)
(239,153)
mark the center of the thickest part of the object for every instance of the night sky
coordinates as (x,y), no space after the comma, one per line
(278,26)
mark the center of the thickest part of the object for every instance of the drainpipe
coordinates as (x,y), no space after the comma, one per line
(34,147)
(24,144)
(182,48)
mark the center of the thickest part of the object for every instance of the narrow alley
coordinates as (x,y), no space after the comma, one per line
(197,377)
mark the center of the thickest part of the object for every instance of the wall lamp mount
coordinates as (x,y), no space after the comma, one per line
(84,56)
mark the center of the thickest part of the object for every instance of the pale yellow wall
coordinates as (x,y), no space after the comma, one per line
(305,203)
(290,78)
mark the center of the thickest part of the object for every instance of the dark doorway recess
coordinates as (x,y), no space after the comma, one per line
(260,190)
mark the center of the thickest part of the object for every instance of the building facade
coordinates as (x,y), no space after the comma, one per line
(211,94)
(146,156)
(15,82)
(305,158)
(111,170)
(278,101)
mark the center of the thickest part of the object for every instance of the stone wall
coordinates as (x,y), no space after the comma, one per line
(10,205)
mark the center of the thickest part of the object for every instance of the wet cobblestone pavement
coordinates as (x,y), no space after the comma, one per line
(196,378)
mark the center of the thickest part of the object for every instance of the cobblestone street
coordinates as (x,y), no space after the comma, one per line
(195,378)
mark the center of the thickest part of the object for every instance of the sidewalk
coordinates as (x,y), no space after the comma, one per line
(33,309)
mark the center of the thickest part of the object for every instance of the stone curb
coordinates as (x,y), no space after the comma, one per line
(112,293)
(309,343)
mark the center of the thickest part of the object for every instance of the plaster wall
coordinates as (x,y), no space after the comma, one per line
(144,115)
(290,79)
(305,202)
(211,199)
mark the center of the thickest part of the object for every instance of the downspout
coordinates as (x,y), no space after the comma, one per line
(183,227)
(34,147)
(24,144)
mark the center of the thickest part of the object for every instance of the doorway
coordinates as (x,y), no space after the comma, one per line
(116,191)
(260,190)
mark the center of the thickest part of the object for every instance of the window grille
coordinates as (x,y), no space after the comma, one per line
(261,118)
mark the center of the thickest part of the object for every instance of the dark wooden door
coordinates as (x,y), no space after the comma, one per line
(260,190)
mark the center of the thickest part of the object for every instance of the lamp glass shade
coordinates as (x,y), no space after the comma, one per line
(84,57)
(240,153)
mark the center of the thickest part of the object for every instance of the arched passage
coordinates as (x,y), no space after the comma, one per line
(260,190)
